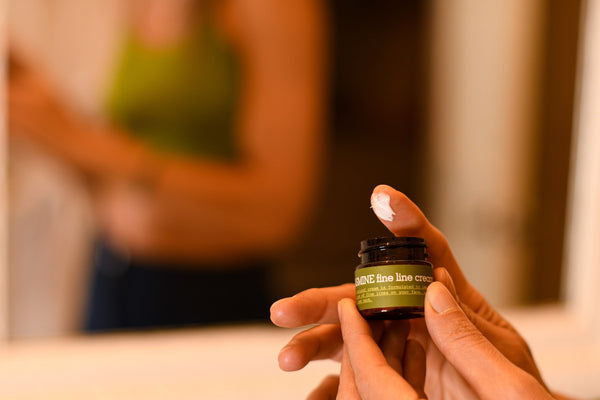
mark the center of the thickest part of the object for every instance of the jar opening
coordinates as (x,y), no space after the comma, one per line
(389,248)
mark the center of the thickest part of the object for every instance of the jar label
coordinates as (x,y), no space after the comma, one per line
(392,285)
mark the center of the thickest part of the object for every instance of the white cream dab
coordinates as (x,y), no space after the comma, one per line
(380,203)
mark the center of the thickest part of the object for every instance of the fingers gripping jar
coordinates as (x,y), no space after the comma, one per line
(392,278)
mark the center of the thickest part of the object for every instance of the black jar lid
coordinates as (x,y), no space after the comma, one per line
(391,242)
(389,248)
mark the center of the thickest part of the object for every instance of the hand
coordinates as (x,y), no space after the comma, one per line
(98,151)
(319,306)
(368,374)
(480,366)
(391,368)
(34,111)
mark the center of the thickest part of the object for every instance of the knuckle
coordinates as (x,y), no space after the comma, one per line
(524,386)
(462,331)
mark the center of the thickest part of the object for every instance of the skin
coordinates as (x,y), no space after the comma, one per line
(168,207)
(460,330)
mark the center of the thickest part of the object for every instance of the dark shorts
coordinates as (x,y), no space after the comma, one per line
(126,294)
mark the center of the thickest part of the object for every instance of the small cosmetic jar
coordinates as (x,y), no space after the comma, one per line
(392,278)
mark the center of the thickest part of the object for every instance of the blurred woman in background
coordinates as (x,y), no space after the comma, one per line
(207,164)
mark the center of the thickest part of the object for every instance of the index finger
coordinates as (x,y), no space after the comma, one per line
(403,218)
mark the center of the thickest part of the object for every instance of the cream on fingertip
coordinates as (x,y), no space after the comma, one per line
(380,203)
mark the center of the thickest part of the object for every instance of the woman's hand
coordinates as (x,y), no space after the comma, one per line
(37,114)
(444,379)
(481,369)
(392,368)
(34,111)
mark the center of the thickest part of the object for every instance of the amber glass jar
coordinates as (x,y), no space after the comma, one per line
(392,277)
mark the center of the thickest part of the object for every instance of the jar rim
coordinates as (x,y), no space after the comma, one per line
(391,242)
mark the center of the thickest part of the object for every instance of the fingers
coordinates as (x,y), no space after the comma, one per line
(393,342)
(327,389)
(484,325)
(507,341)
(347,389)
(495,329)
(374,378)
(403,218)
(312,306)
(487,314)
(464,346)
(442,275)
(318,343)
(413,365)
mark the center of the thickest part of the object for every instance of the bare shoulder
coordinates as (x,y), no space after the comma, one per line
(276,19)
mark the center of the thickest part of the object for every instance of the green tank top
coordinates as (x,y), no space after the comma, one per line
(180,99)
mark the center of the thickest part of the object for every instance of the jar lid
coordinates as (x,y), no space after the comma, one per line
(391,242)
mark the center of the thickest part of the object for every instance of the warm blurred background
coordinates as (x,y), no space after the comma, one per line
(465,106)
(483,112)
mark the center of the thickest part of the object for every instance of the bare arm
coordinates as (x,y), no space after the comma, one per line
(259,203)
(166,206)
(36,113)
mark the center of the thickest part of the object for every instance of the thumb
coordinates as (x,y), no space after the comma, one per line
(474,357)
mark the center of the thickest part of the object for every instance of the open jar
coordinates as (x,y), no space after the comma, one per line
(392,278)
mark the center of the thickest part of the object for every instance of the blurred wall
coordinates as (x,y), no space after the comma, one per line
(486,58)
(503,84)
(557,97)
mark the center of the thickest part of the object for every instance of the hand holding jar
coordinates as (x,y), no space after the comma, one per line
(387,359)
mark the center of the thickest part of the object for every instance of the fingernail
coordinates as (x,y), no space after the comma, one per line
(440,298)
(340,310)
(440,274)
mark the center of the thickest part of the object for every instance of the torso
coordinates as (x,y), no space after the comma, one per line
(123,210)
(177,86)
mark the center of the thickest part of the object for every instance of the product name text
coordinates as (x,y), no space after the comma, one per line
(396,277)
